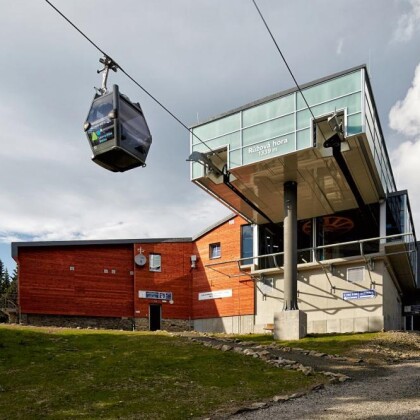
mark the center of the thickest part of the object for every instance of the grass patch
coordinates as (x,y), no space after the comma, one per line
(342,344)
(60,373)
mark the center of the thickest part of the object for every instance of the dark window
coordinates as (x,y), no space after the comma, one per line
(348,226)
(247,243)
(270,239)
(215,250)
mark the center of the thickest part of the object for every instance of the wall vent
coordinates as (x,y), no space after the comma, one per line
(356,274)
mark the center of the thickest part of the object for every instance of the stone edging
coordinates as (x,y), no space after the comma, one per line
(263,352)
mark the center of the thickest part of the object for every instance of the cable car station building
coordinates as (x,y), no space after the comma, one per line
(320,241)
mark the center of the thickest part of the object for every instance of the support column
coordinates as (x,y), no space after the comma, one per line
(291,323)
(290,246)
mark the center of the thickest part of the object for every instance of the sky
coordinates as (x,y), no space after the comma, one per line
(200,58)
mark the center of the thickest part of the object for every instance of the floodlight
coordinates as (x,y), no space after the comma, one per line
(204,160)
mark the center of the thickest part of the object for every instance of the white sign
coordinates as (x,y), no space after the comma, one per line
(217,294)
(147,294)
(365,294)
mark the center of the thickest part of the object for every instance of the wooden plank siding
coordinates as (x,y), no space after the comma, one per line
(175,277)
(48,286)
(206,280)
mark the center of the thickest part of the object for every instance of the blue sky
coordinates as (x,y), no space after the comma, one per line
(200,58)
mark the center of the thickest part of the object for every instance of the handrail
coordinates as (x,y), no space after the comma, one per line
(315,248)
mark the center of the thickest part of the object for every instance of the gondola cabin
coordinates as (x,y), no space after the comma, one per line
(117,132)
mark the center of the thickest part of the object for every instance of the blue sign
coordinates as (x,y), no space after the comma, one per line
(155,295)
(365,294)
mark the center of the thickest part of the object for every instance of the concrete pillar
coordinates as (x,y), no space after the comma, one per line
(290,246)
(291,323)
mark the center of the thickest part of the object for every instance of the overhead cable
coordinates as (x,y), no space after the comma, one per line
(128,75)
(285,62)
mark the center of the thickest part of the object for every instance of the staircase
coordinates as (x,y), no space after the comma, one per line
(9,308)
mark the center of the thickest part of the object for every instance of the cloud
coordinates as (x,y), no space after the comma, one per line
(404,116)
(408,23)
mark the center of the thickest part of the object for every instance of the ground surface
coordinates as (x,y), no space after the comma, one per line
(385,386)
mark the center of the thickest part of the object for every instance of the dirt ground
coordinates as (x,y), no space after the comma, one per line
(384,384)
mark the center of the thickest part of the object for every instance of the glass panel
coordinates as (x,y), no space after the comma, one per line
(135,134)
(247,243)
(235,158)
(214,250)
(348,226)
(269,130)
(268,149)
(270,240)
(332,89)
(354,124)
(268,110)
(233,140)
(155,263)
(303,119)
(197,170)
(217,128)
(304,241)
(101,128)
(304,139)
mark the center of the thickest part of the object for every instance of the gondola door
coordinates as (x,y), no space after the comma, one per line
(155,317)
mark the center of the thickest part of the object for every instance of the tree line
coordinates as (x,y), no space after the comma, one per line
(8,283)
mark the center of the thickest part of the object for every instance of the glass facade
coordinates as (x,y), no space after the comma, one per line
(247,243)
(283,125)
(399,221)
(326,235)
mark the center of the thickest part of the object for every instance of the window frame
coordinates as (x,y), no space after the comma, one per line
(154,268)
(212,247)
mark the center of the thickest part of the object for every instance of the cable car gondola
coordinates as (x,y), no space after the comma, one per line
(116,129)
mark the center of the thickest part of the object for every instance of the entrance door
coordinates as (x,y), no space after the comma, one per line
(155,312)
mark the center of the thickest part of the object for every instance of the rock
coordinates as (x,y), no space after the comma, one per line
(264,354)
(297,395)
(343,378)
(280,398)
(307,371)
(238,349)
(2,389)
(249,352)
(318,387)
(226,347)
(258,405)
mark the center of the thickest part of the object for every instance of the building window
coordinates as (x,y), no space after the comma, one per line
(247,244)
(215,250)
(155,262)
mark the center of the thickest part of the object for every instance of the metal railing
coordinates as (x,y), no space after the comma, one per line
(315,252)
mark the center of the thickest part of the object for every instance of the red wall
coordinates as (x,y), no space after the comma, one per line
(47,286)
(206,279)
(175,277)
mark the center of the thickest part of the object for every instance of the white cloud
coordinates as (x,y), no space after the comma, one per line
(404,116)
(408,23)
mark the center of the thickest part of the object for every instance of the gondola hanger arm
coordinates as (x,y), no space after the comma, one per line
(109,64)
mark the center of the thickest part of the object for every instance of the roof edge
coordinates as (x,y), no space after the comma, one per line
(280,94)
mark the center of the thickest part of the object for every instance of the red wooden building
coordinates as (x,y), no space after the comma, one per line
(135,284)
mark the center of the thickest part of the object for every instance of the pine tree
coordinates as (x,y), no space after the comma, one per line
(2,287)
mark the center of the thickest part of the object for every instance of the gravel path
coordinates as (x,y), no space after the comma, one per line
(394,394)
